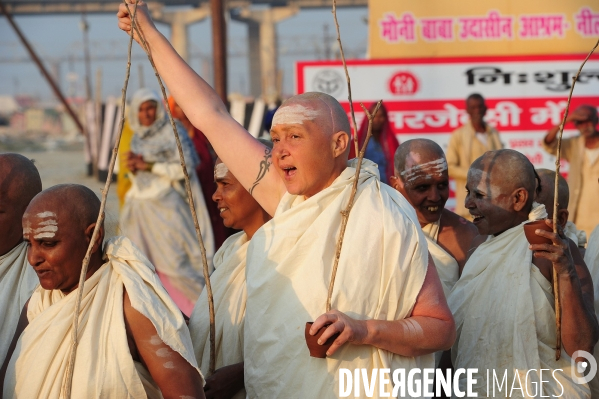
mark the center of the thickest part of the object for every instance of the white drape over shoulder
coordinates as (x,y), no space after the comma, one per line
(229,292)
(103,367)
(17,282)
(505,320)
(447,266)
(381,271)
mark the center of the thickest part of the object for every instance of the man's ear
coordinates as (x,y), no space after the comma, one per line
(340,143)
(396,183)
(89,231)
(520,198)
(562,217)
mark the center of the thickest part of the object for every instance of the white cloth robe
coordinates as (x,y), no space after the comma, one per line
(229,293)
(382,267)
(17,282)
(103,366)
(505,320)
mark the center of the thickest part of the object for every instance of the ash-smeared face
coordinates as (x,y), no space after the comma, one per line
(426,186)
(487,202)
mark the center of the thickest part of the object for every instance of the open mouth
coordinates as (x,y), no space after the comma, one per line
(432,208)
(221,210)
(289,171)
(477,218)
(42,273)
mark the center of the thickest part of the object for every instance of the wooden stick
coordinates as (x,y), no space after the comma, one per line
(558,311)
(68,381)
(192,208)
(350,204)
(351,103)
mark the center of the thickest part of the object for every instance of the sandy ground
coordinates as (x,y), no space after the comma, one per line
(62,166)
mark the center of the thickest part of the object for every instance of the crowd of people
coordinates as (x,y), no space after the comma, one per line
(418,286)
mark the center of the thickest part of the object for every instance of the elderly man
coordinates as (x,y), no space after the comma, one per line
(468,143)
(503,302)
(19,183)
(421,176)
(582,152)
(546,196)
(388,303)
(133,341)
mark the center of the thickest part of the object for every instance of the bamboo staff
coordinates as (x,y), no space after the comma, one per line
(558,311)
(68,381)
(351,103)
(192,208)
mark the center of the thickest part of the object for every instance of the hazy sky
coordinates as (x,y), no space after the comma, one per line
(59,38)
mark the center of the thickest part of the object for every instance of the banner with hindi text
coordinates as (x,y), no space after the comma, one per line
(435,28)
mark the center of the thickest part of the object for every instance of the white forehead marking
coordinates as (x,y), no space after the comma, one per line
(220,171)
(43,235)
(432,168)
(46,214)
(26,230)
(49,222)
(294,114)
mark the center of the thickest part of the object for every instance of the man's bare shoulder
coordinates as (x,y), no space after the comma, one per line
(458,225)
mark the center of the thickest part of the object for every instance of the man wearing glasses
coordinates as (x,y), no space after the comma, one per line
(582,152)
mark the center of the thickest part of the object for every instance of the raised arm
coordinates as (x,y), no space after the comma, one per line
(248,159)
(429,328)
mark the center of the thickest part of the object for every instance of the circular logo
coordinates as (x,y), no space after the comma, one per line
(329,81)
(403,83)
(582,372)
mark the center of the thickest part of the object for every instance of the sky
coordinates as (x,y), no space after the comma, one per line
(58,41)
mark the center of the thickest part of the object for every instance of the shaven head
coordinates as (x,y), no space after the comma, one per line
(19,183)
(546,194)
(421,176)
(58,224)
(501,188)
(310,133)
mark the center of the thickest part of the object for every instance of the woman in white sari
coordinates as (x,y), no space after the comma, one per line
(156,215)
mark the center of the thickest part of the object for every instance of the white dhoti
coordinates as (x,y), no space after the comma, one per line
(382,268)
(447,266)
(591,258)
(229,293)
(505,320)
(17,282)
(103,366)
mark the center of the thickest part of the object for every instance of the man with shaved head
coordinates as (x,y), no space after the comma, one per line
(19,183)
(582,152)
(503,302)
(387,303)
(545,196)
(421,176)
(133,341)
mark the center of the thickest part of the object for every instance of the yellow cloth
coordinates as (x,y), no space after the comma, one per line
(382,267)
(229,292)
(503,309)
(103,366)
(463,148)
(587,213)
(447,266)
(573,152)
(123,183)
(591,258)
(17,282)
